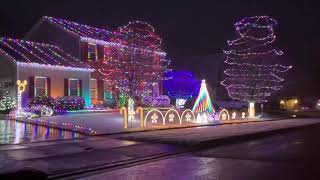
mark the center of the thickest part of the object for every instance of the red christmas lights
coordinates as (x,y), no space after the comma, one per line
(134,59)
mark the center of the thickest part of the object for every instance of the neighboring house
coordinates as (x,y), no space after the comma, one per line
(85,43)
(47,68)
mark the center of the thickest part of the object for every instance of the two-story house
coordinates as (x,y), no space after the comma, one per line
(86,43)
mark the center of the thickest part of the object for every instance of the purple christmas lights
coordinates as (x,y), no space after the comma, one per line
(252,76)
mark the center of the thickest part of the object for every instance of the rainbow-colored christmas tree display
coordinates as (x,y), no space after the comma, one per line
(203,103)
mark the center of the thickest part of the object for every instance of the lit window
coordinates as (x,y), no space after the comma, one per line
(106,87)
(40,86)
(74,87)
(92,52)
(94,89)
(155,89)
(107,53)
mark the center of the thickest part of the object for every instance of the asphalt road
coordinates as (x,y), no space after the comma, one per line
(292,155)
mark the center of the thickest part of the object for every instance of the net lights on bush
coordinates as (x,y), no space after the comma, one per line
(69,103)
(252,76)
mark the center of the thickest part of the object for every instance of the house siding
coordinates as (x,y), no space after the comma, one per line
(47,32)
(57,77)
(8,77)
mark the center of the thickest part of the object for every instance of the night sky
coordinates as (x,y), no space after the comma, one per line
(189,28)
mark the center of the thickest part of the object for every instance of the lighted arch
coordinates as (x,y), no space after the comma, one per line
(176,112)
(191,112)
(224,111)
(154,110)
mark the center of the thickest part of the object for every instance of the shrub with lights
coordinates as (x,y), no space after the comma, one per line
(123,100)
(159,101)
(7,102)
(69,103)
(42,100)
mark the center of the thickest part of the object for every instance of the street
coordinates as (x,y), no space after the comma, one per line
(291,155)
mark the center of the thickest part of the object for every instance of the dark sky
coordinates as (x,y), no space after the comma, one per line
(188,28)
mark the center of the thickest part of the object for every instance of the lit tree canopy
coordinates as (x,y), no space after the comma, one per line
(182,85)
(134,59)
(252,75)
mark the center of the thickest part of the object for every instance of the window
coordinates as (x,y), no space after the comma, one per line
(74,87)
(40,86)
(92,52)
(106,87)
(107,53)
(107,91)
(7,84)
(94,89)
(155,89)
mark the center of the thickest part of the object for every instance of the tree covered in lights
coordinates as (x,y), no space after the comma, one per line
(134,59)
(252,74)
(7,102)
(181,86)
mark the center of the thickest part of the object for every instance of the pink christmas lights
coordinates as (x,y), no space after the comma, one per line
(137,63)
(252,76)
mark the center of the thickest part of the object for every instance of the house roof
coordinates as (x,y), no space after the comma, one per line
(81,29)
(96,35)
(21,51)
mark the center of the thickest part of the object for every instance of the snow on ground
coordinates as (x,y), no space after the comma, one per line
(93,123)
(194,136)
(108,123)
(96,123)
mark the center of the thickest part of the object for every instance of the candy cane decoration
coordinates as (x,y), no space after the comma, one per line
(140,111)
(124,111)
